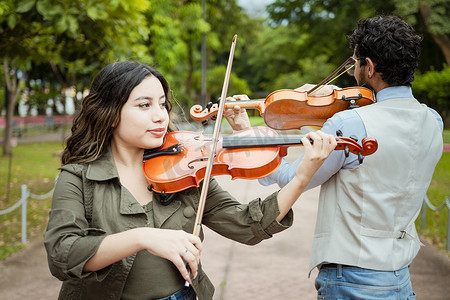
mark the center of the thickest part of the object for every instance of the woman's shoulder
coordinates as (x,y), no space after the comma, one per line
(76,169)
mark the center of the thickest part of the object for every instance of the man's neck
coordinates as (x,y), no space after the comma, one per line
(377,83)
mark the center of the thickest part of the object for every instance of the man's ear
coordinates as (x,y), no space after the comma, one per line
(370,67)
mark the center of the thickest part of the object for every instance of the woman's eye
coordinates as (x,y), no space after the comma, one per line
(144,105)
(163,104)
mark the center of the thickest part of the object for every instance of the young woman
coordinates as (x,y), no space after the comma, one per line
(108,236)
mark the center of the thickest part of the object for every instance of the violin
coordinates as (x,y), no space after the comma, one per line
(252,153)
(291,109)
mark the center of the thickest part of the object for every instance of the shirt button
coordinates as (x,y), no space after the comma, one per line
(188,212)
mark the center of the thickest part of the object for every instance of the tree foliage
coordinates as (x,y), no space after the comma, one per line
(74,36)
(48,45)
(433,87)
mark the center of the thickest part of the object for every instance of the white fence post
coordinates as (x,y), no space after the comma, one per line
(25,195)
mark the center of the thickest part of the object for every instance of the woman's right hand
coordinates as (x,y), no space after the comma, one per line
(177,246)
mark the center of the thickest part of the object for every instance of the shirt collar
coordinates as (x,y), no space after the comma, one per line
(391,92)
(103,168)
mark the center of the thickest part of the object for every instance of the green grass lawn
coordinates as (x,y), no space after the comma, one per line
(436,221)
(36,165)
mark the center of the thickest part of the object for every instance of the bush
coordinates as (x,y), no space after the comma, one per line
(431,88)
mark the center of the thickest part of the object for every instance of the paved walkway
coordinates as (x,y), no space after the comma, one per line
(275,269)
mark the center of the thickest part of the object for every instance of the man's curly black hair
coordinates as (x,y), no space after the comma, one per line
(392,44)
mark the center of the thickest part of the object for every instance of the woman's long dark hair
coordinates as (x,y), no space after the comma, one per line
(100,110)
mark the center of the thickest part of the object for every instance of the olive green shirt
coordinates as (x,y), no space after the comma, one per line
(89,203)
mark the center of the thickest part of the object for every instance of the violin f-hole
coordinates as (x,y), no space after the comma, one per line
(196,160)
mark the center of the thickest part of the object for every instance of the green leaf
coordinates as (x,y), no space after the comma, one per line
(25,6)
(72,24)
(48,9)
(12,20)
(96,14)
(61,24)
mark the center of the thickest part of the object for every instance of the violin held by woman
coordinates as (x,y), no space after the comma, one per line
(252,153)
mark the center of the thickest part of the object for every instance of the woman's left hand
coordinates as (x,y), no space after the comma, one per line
(316,153)
(237,117)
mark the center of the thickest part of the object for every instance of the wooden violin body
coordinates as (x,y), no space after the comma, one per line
(253,153)
(291,109)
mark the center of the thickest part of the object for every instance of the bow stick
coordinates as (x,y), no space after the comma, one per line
(212,154)
(215,139)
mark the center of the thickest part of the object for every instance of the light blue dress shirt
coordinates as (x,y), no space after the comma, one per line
(349,123)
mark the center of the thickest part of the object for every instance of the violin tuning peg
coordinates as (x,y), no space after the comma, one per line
(214,118)
(360,158)
(339,133)
(353,137)
(205,122)
(209,105)
(346,151)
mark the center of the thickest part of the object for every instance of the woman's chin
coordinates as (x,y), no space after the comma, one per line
(155,144)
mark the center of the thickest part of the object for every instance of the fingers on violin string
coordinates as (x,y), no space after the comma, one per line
(238,109)
(241,97)
(315,137)
(328,139)
(306,143)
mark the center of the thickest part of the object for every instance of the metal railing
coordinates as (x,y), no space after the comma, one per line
(426,203)
(25,194)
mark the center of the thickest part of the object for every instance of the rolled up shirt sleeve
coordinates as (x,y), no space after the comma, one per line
(68,239)
(245,223)
(350,124)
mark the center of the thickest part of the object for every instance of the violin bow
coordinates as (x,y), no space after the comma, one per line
(330,77)
(215,139)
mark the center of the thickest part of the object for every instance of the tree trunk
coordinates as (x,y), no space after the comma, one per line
(13,86)
(442,40)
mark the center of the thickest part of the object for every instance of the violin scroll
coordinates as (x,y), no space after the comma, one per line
(369,146)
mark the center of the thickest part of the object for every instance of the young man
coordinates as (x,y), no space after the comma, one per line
(365,238)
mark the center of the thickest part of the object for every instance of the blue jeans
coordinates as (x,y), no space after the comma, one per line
(347,282)
(186,293)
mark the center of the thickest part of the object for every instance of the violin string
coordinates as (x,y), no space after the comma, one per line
(328,82)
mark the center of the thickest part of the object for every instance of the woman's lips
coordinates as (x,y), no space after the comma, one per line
(158,132)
